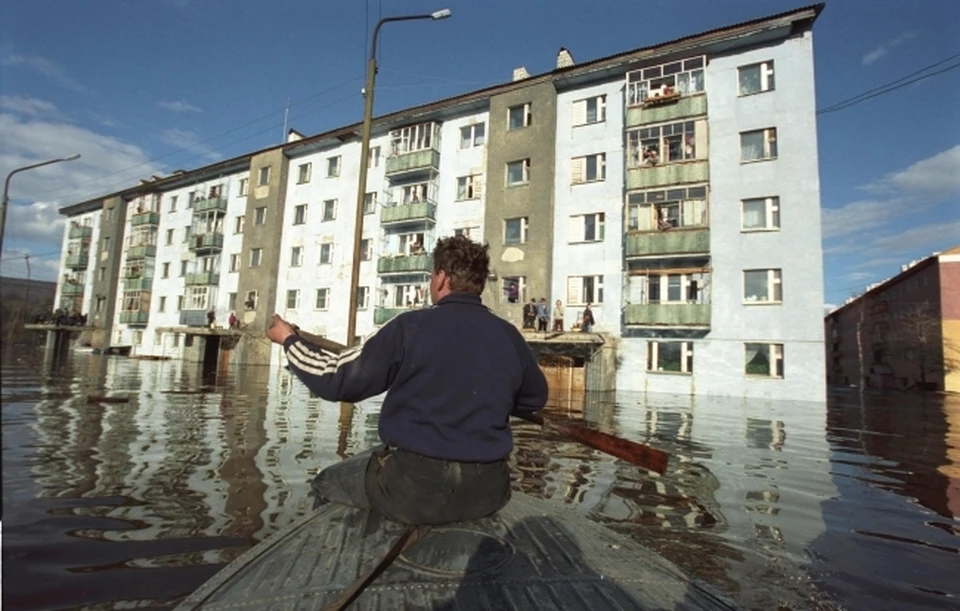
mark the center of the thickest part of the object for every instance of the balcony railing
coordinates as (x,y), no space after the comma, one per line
(78,232)
(206,241)
(666,174)
(76,261)
(145,218)
(134,318)
(194,318)
(413,163)
(680,108)
(141,252)
(385,315)
(405,264)
(71,289)
(202,278)
(211,203)
(408,213)
(668,314)
(139,283)
(670,242)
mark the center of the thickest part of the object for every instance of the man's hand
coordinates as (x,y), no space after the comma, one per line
(279,330)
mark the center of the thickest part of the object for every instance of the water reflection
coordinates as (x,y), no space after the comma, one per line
(763,500)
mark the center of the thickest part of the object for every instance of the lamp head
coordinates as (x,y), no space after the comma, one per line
(441,14)
(72,157)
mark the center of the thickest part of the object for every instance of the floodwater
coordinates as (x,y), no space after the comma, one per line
(851,505)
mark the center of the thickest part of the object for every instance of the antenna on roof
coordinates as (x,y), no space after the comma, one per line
(283,136)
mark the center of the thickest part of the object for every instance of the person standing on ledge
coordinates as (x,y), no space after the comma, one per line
(453,373)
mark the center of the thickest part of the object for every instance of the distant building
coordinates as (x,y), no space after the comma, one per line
(674,187)
(901,333)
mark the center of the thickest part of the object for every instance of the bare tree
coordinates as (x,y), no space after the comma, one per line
(916,336)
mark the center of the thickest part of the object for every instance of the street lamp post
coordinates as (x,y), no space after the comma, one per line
(365,160)
(6,189)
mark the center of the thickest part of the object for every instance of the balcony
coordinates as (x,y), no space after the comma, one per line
(71,289)
(218,204)
(202,278)
(206,241)
(416,162)
(76,261)
(134,318)
(141,252)
(138,283)
(667,174)
(384,315)
(145,218)
(406,264)
(79,232)
(194,318)
(667,314)
(670,242)
(667,110)
(418,212)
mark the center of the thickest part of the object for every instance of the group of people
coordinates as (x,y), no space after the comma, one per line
(537,315)
(63,318)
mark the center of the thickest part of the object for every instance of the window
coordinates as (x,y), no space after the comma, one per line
(515,231)
(414,194)
(191,197)
(296,256)
(760,214)
(303,173)
(106,244)
(238,224)
(588,169)
(260,216)
(666,81)
(414,138)
(513,289)
(333,166)
(179,302)
(329,209)
(363,297)
(162,305)
(473,135)
(243,186)
(469,187)
(590,110)
(255,256)
(170,233)
(673,357)
(663,209)
(411,243)
(756,78)
(758,145)
(232,301)
(370,202)
(300,214)
(518,172)
(101,274)
(668,143)
(110,213)
(762,286)
(519,116)
(584,289)
(101,303)
(197,297)
(138,337)
(293,299)
(263,177)
(373,159)
(472,232)
(323,299)
(366,249)
(326,253)
(235,262)
(158,338)
(183,268)
(586,228)
(166,270)
(764,360)
(173,203)
(253,298)
(670,287)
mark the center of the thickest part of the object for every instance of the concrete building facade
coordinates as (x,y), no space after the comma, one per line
(673,187)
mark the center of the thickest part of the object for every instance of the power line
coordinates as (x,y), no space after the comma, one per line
(12,258)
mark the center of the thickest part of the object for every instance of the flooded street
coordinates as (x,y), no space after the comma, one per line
(792,505)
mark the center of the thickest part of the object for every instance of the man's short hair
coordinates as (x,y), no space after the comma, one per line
(465,262)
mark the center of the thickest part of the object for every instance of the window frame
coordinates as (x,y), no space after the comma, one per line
(333,216)
(525,169)
(774,285)
(304,172)
(244,187)
(235,262)
(469,187)
(521,289)
(638,89)
(526,117)
(599,228)
(363,297)
(686,362)
(296,256)
(771,149)
(472,137)
(776,363)
(767,75)
(581,110)
(329,250)
(334,168)
(260,216)
(370,202)
(771,214)
(580,166)
(263,176)
(657,200)
(239,221)
(295,294)
(300,214)
(640,141)
(596,288)
(325,291)
(256,257)
(524,230)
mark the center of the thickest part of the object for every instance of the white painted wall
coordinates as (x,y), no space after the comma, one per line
(93,219)
(454,163)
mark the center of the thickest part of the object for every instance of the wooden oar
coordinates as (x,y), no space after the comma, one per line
(631,451)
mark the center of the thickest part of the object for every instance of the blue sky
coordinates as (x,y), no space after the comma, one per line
(147,87)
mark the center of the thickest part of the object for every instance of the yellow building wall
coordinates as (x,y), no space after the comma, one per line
(951,355)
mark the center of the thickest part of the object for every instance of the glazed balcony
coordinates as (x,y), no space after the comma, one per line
(145,218)
(405,264)
(418,212)
(384,315)
(667,314)
(134,318)
(206,241)
(71,289)
(137,283)
(217,204)
(202,278)
(142,251)
(666,174)
(416,162)
(681,107)
(670,242)
(194,318)
(77,261)
(80,232)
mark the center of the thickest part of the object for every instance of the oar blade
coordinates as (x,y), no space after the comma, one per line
(630,451)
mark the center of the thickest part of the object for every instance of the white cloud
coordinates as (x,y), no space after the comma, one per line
(35,222)
(178,106)
(187,140)
(28,106)
(884,48)
(931,178)
(924,238)
(46,67)
(829,307)
(43,265)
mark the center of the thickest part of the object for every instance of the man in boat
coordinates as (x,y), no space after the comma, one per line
(453,373)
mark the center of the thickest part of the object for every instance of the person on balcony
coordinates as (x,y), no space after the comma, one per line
(558,316)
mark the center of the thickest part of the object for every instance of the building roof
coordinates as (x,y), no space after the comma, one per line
(732,35)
